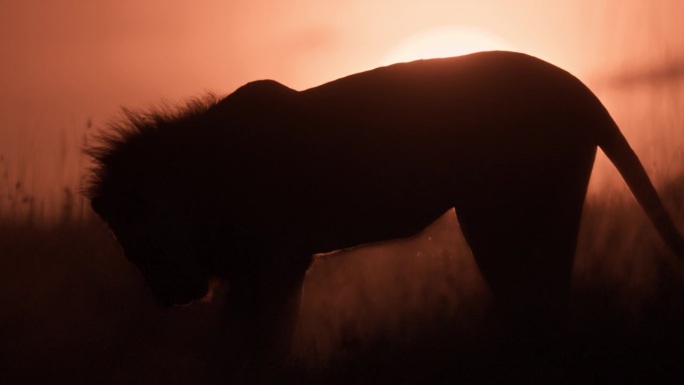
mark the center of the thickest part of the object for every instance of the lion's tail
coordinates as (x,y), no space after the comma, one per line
(616,148)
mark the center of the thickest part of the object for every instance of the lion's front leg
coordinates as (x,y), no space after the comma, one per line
(260,316)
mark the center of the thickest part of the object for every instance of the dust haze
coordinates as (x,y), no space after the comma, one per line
(74,311)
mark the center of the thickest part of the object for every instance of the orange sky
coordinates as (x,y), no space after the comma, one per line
(64,61)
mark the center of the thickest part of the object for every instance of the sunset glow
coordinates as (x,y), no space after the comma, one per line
(445,41)
(68,69)
(291,225)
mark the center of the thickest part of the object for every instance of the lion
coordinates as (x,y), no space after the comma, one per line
(249,187)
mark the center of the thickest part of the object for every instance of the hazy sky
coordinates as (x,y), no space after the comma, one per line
(94,55)
(64,61)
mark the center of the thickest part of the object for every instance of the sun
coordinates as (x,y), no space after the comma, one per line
(445,41)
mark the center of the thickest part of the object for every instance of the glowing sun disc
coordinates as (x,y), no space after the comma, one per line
(445,41)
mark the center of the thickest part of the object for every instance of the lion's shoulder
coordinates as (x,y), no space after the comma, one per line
(260,89)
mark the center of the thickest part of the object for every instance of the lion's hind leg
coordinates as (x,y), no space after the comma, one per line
(523,236)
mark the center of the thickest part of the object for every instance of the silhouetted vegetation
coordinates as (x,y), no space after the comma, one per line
(74,311)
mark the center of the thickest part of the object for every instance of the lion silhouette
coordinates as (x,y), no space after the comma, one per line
(249,187)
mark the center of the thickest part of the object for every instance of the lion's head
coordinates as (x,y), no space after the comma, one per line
(137,188)
(158,245)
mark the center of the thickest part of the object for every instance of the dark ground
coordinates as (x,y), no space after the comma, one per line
(73,311)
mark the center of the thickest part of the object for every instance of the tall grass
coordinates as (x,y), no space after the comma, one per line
(41,175)
(75,311)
